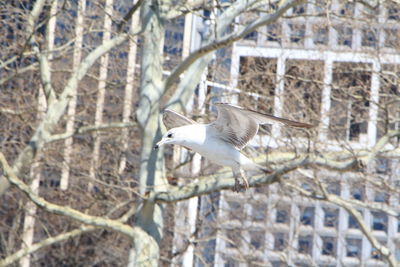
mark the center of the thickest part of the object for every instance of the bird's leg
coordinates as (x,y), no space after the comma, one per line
(239,186)
(244,178)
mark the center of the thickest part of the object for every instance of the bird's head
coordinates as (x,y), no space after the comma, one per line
(173,136)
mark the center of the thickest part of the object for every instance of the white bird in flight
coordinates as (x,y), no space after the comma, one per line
(221,140)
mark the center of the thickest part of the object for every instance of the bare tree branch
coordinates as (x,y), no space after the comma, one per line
(44,243)
(227,40)
(187,7)
(132,232)
(33,17)
(57,108)
(30,67)
(129,15)
(45,74)
(91,128)
(58,238)
(381,143)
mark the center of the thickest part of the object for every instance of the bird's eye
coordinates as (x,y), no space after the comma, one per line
(169,135)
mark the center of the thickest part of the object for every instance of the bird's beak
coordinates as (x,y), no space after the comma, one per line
(157,146)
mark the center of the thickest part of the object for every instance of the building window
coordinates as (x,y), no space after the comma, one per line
(346,9)
(358,193)
(235,210)
(344,36)
(353,224)
(307,216)
(173,43)
(304,77)
(334,188)
(274,32)
(328,246)
(393,13)
(305,244)
(257,78)
(392,38)
(297,33)
(302,101)
(282,215)
(382,167)
(369,38)
(379,221)
(375,254)
(258,212)
(331,217)
(389,100)
(234,237)
(229,262)
(280,241)
(381,196)
(321,34)
(353,247)
(251,36)
(257,239)
(350,101)
(299,9)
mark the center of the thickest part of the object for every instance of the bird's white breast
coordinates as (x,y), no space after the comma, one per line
(205,140)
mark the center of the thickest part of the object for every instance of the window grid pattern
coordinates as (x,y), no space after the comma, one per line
(302,231)
(351,27)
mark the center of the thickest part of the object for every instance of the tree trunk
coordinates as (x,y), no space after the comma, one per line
(130,79)
(72,104)
(151,175)
(98,119)
(35,171)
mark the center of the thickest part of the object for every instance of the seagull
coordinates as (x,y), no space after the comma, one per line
(222,140)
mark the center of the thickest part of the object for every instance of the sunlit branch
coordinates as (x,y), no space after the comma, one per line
(132,232)
(91,128)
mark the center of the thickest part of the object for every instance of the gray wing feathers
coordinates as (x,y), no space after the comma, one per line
(270,119)
(173,119)
(234,126)
(238,126)
(261,118)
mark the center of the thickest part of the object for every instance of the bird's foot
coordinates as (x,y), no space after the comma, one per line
(239,186)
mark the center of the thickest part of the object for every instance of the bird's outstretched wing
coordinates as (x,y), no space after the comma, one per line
(238,126)
(173,119)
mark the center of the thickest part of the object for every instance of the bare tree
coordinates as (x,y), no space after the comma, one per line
(118,195)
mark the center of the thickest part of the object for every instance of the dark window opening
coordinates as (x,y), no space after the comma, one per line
(251,36)
(280,241)
(307,216)
(305,245)
(282,216)
(274,32)
(353,224)
(379,221)
(331,217)
(353,248)
(328,246)
(321,35)
(257,239)
(369,38)
(297,33)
